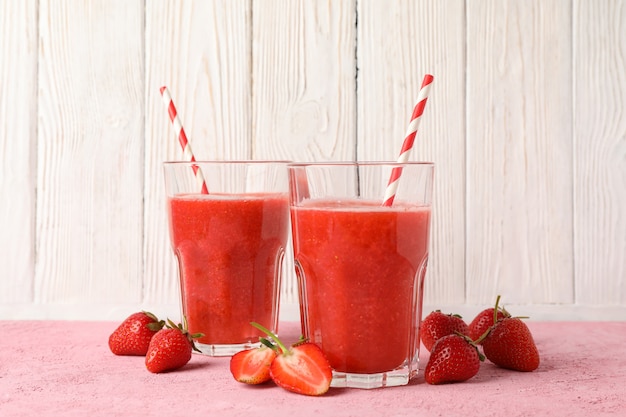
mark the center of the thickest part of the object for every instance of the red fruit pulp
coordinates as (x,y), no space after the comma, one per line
(229,250)
(361,268)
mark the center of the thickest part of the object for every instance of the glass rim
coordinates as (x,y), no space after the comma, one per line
(230,162)
(362,163)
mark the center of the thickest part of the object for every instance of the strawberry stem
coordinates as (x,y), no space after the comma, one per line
(472,343)
(268,343)
(495,310)
(271,335)
(183,328)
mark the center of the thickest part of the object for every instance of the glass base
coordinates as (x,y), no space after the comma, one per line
(392,378)
(224,350)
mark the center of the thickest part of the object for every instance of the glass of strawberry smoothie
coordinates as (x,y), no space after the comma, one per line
(361,266)
(229,241)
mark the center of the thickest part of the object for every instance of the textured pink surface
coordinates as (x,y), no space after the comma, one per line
(66,369)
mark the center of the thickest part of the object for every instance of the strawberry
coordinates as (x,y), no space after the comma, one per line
(454,358)
(302,368)
(170,348)
(509,344)
(484,320)
(252,366)
(437,325)
(133,335)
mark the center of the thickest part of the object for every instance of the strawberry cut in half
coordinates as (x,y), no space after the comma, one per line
(252,366)
(303,368)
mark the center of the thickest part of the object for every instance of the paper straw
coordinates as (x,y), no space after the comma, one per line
(182,137)
(409,138)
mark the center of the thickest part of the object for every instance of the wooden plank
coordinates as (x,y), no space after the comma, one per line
(18,138)
(398,43)
(201,51)
(544,193)
(304,80)
(600,152)
(519,152)
(304,89)
(89,154)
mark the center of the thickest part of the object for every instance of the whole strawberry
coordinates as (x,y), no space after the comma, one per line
(170,348)
(509,344)
(133,335)
(484,320)
(454,358)
(437,325)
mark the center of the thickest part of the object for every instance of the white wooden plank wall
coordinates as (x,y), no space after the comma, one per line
(525,122)
(519,152)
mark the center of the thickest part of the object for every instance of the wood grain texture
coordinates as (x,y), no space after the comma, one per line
(519,152)
(304,89)
(89,152)
(396,48)
(18,141)
(600,152)
(304,80)
(201,51)
(525,123)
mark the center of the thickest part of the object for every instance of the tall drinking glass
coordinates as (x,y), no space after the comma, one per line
(229,244)
(361,266)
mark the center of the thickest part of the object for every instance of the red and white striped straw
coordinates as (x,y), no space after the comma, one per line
(182,137)
(409,138)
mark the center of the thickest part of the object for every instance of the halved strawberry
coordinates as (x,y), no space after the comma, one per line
(252,366)
(302,368)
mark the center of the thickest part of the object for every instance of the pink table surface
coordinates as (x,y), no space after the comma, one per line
(64,368)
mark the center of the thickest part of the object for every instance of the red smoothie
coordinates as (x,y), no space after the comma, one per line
(230,250)
(361,266)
